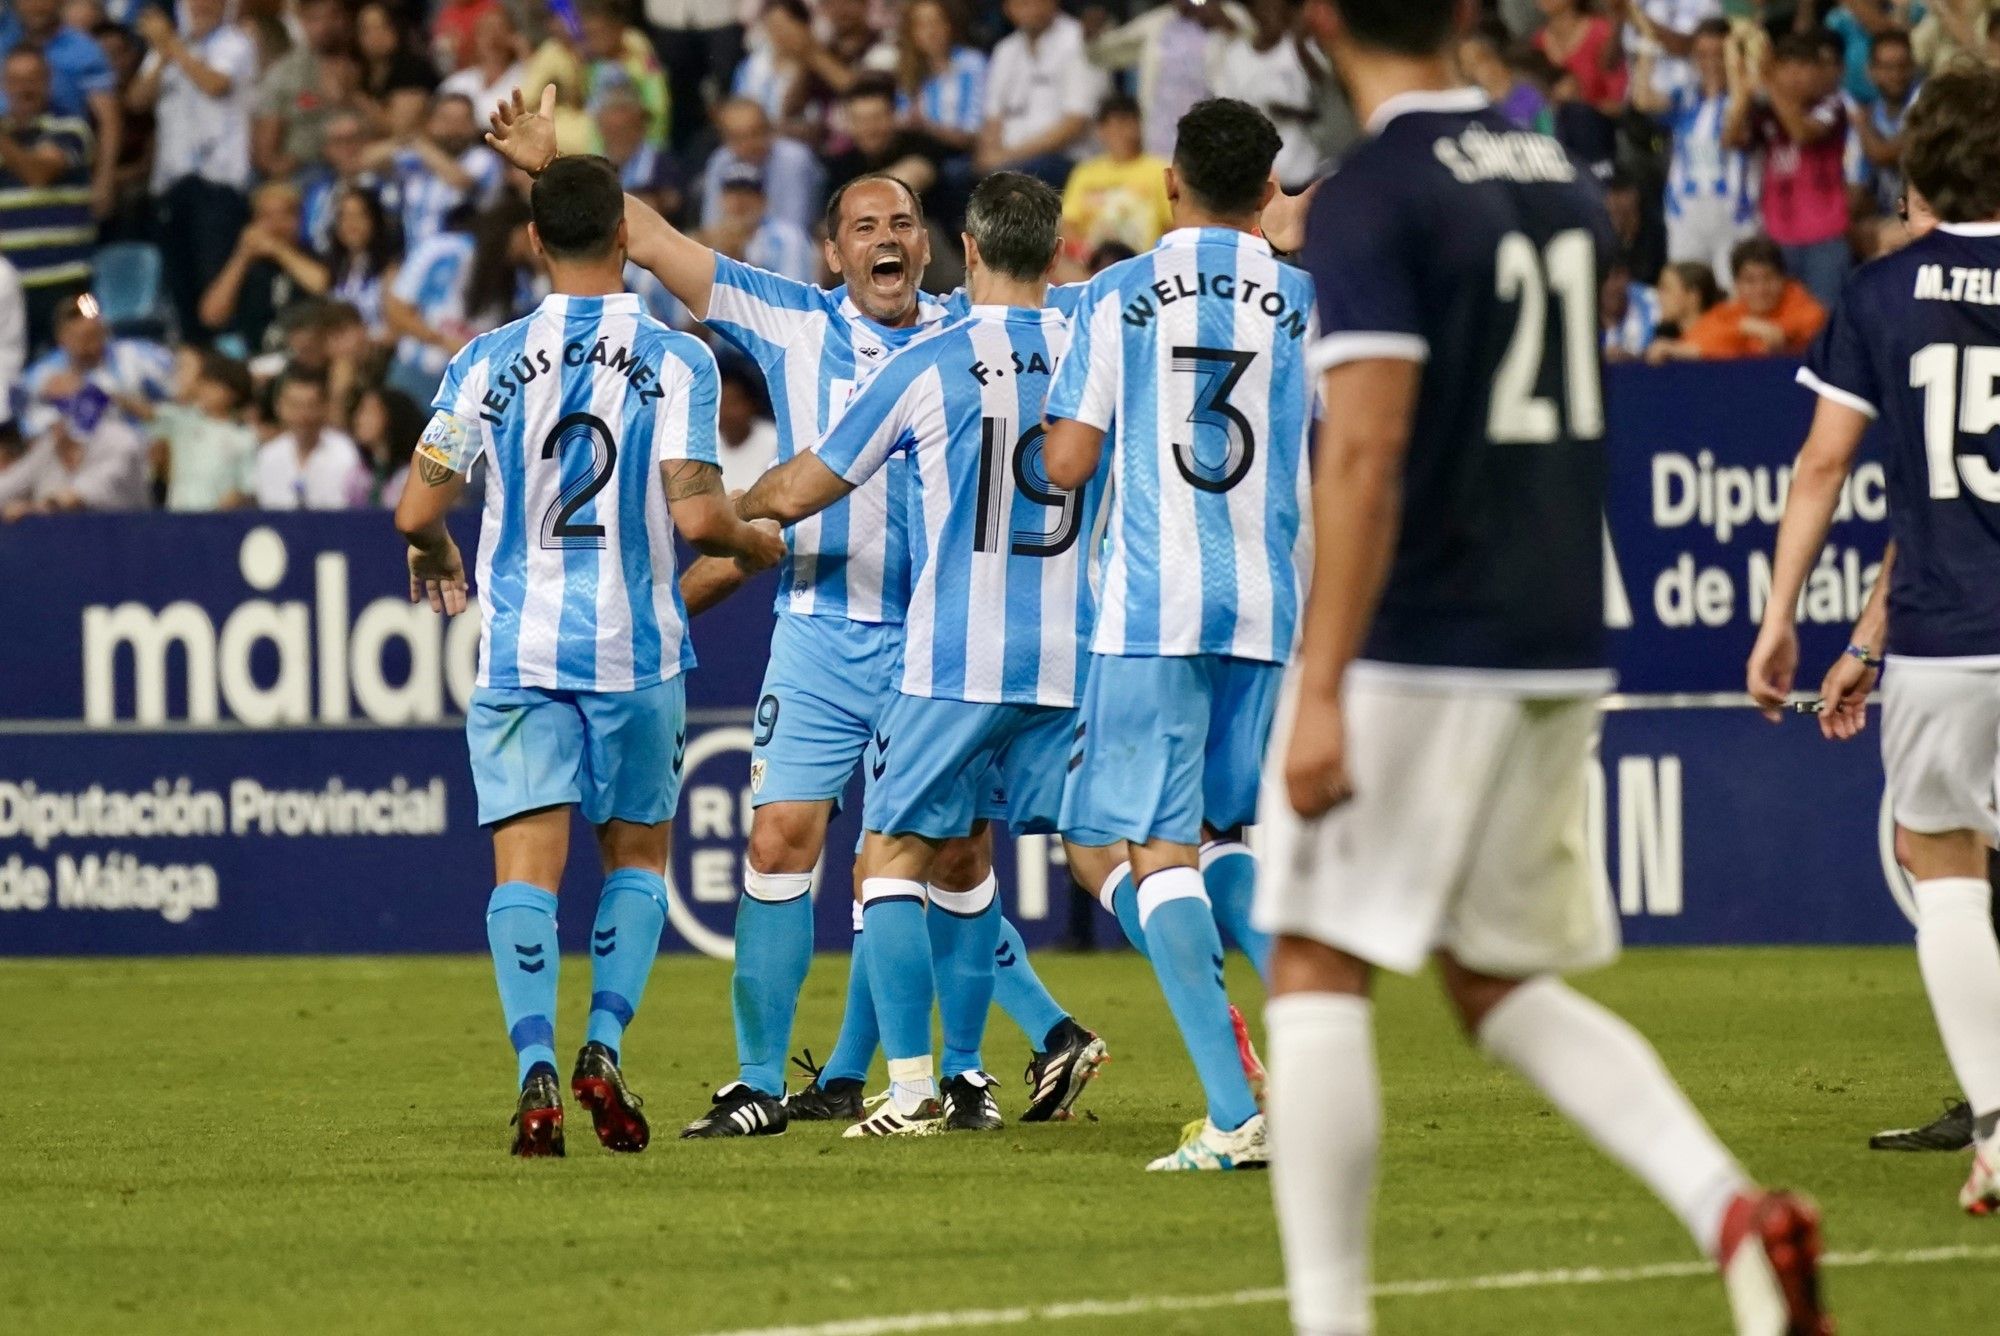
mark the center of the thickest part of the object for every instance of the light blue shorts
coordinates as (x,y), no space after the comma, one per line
(1166,745)
(615,754)
(941,766)
(826,685)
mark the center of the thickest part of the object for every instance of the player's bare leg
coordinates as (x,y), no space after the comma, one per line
(625,939)
(1960,960)
(893,891)
(774,941)
(528,856)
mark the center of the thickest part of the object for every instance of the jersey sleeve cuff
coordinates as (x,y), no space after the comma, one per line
(1080,414)
(1366,345)
(1846,397)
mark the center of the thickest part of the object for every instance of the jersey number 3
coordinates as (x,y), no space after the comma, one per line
(583,431)
(1567,267)
(1217,370)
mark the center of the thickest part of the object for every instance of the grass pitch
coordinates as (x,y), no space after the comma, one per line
(308,1145)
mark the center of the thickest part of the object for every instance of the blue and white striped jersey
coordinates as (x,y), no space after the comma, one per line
(1192,358)
(1000,601)
(1703,167)
(575,407)
(955,99)
(427,200)
(816,348)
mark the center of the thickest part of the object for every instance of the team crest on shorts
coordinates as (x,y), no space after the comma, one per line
(756,774)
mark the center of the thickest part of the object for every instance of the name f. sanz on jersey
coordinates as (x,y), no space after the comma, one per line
(575,407)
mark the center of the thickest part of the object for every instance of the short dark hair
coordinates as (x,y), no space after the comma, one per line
(839,197)
(1951,144)
(1016,221)
(1699,279)
(1889,37)
(224,370)
(1756,250)
(875,85)
(1223,151)
(1406,27)
(1796,46)
(576,205)
(1715,27)
(298,375)
(1118,104)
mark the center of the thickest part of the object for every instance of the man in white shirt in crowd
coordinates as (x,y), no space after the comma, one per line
(1041,91)
(795,183)
(308,466)
(201,84)
(748,437)
(83,457)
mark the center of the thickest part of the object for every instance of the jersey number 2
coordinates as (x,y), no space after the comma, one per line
(1030,477)
(1516,415)
(559,529)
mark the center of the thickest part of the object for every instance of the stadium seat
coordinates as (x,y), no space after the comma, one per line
(127,287)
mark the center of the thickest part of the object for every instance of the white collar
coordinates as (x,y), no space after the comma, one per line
(1989,229)
(1426,99)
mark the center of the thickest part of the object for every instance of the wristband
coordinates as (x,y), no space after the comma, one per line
(1861,652)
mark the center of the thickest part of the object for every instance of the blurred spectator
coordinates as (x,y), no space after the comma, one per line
(201,84)
(940,80)
(1276,70)
(1711,199)
(1662,34)
(1173,47)
(363,258)
(126,371)
(86,458)
(130,215)
(386,424)
(748,438)
(391,58)
(1584,46)
(322,338)
(1110,253)
(303,90)
(1770,315)
(492,67)
(345,168)
(1856,24)
(1799,130)
(1041,91)
(697,40)
(45,173)
(644,166)
(13,335)
(1641,239)
(879,144)
(268,270)
(1878,125)
(206,454)
(308,466)
(1629,313)
(81,83)
(437,157)
(455,28)
(454,286)
(622,63)
(1950,29)
(1687,291)
(1120,195)
(747,232)
(1482,58)
(777,61)
(794,181)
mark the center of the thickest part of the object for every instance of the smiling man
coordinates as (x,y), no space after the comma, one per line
(836,651)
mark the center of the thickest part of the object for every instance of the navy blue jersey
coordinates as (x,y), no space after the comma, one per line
(1452,238)
(1916,342)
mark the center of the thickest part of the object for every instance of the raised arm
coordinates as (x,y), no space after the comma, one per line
(527,139)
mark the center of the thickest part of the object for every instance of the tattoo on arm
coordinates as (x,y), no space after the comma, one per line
(433,472)
(687,478)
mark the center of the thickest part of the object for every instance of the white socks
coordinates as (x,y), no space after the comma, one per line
(1171,883)
(1961,967)
(1324,1108)
(1604,1077)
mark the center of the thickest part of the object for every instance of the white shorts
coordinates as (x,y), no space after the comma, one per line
(1467,833)
(1940,740)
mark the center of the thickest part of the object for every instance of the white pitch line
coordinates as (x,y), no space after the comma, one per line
(1395,1289)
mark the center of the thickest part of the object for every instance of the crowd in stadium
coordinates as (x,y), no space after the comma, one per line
(294,194)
